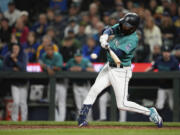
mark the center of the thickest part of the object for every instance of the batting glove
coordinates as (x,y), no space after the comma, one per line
(105,45)
(103,41)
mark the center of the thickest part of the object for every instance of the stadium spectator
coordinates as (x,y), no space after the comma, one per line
(120,10)
(80,86)
(81,36)
(113,20)
(47,40)
(51,32)
(40,26)
(25,18)
(5,31)
(85,18)
(93,10)
(50,16)
(152,34)
(52,62)
(76,42)
(7,46)
(166,5)
(153,6)
(60,23)
(173,10)
(20,31)
(30,47)
(74,10)
(106,18)
(142,53)
(12,14)
(91,50)
(68,48)
(129,5)
(71,26)
(91,28)
(168,30)
(16,60)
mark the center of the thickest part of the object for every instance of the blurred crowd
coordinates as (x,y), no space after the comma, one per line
(68,32)
(79,29)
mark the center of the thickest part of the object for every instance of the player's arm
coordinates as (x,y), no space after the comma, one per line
(119,53)
(106,33)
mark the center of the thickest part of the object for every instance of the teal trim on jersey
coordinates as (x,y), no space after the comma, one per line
(127,44)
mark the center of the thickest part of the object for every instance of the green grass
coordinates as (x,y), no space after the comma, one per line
(73,123)
(91,131)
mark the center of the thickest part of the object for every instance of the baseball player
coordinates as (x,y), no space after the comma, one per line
(80,86)
(123,45)
(165,62)
(52,62)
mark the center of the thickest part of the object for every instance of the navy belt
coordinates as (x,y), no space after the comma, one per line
(115,65)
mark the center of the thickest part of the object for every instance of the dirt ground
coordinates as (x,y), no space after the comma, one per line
(96,127)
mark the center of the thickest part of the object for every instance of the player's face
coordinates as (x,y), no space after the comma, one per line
(78,59)
(126,30)
(49,51)
(166,55)
(125,27)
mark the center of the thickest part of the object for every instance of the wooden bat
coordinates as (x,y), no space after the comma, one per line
(114,57)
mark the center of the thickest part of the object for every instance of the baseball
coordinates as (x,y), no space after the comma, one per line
(94,56)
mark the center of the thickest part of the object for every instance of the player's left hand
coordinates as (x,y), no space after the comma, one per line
(105,45)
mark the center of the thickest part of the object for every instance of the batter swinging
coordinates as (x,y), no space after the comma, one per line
(123,45)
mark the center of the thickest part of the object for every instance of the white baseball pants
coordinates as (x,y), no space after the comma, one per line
(119,79)
(103,101)
(61,93)
(162,96)
(80,93)
(19,95)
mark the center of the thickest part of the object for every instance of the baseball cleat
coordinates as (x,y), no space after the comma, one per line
(82,117)
(83,124)
(82,121)
(155,117)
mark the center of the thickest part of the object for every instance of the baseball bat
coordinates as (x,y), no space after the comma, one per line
(114,57)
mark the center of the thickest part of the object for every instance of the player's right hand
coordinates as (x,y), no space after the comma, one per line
(103,40)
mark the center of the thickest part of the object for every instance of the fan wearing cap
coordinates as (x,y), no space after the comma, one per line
(165,62)
(123,44)
(80,86)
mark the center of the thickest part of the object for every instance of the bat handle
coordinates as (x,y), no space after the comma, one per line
(107,46)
